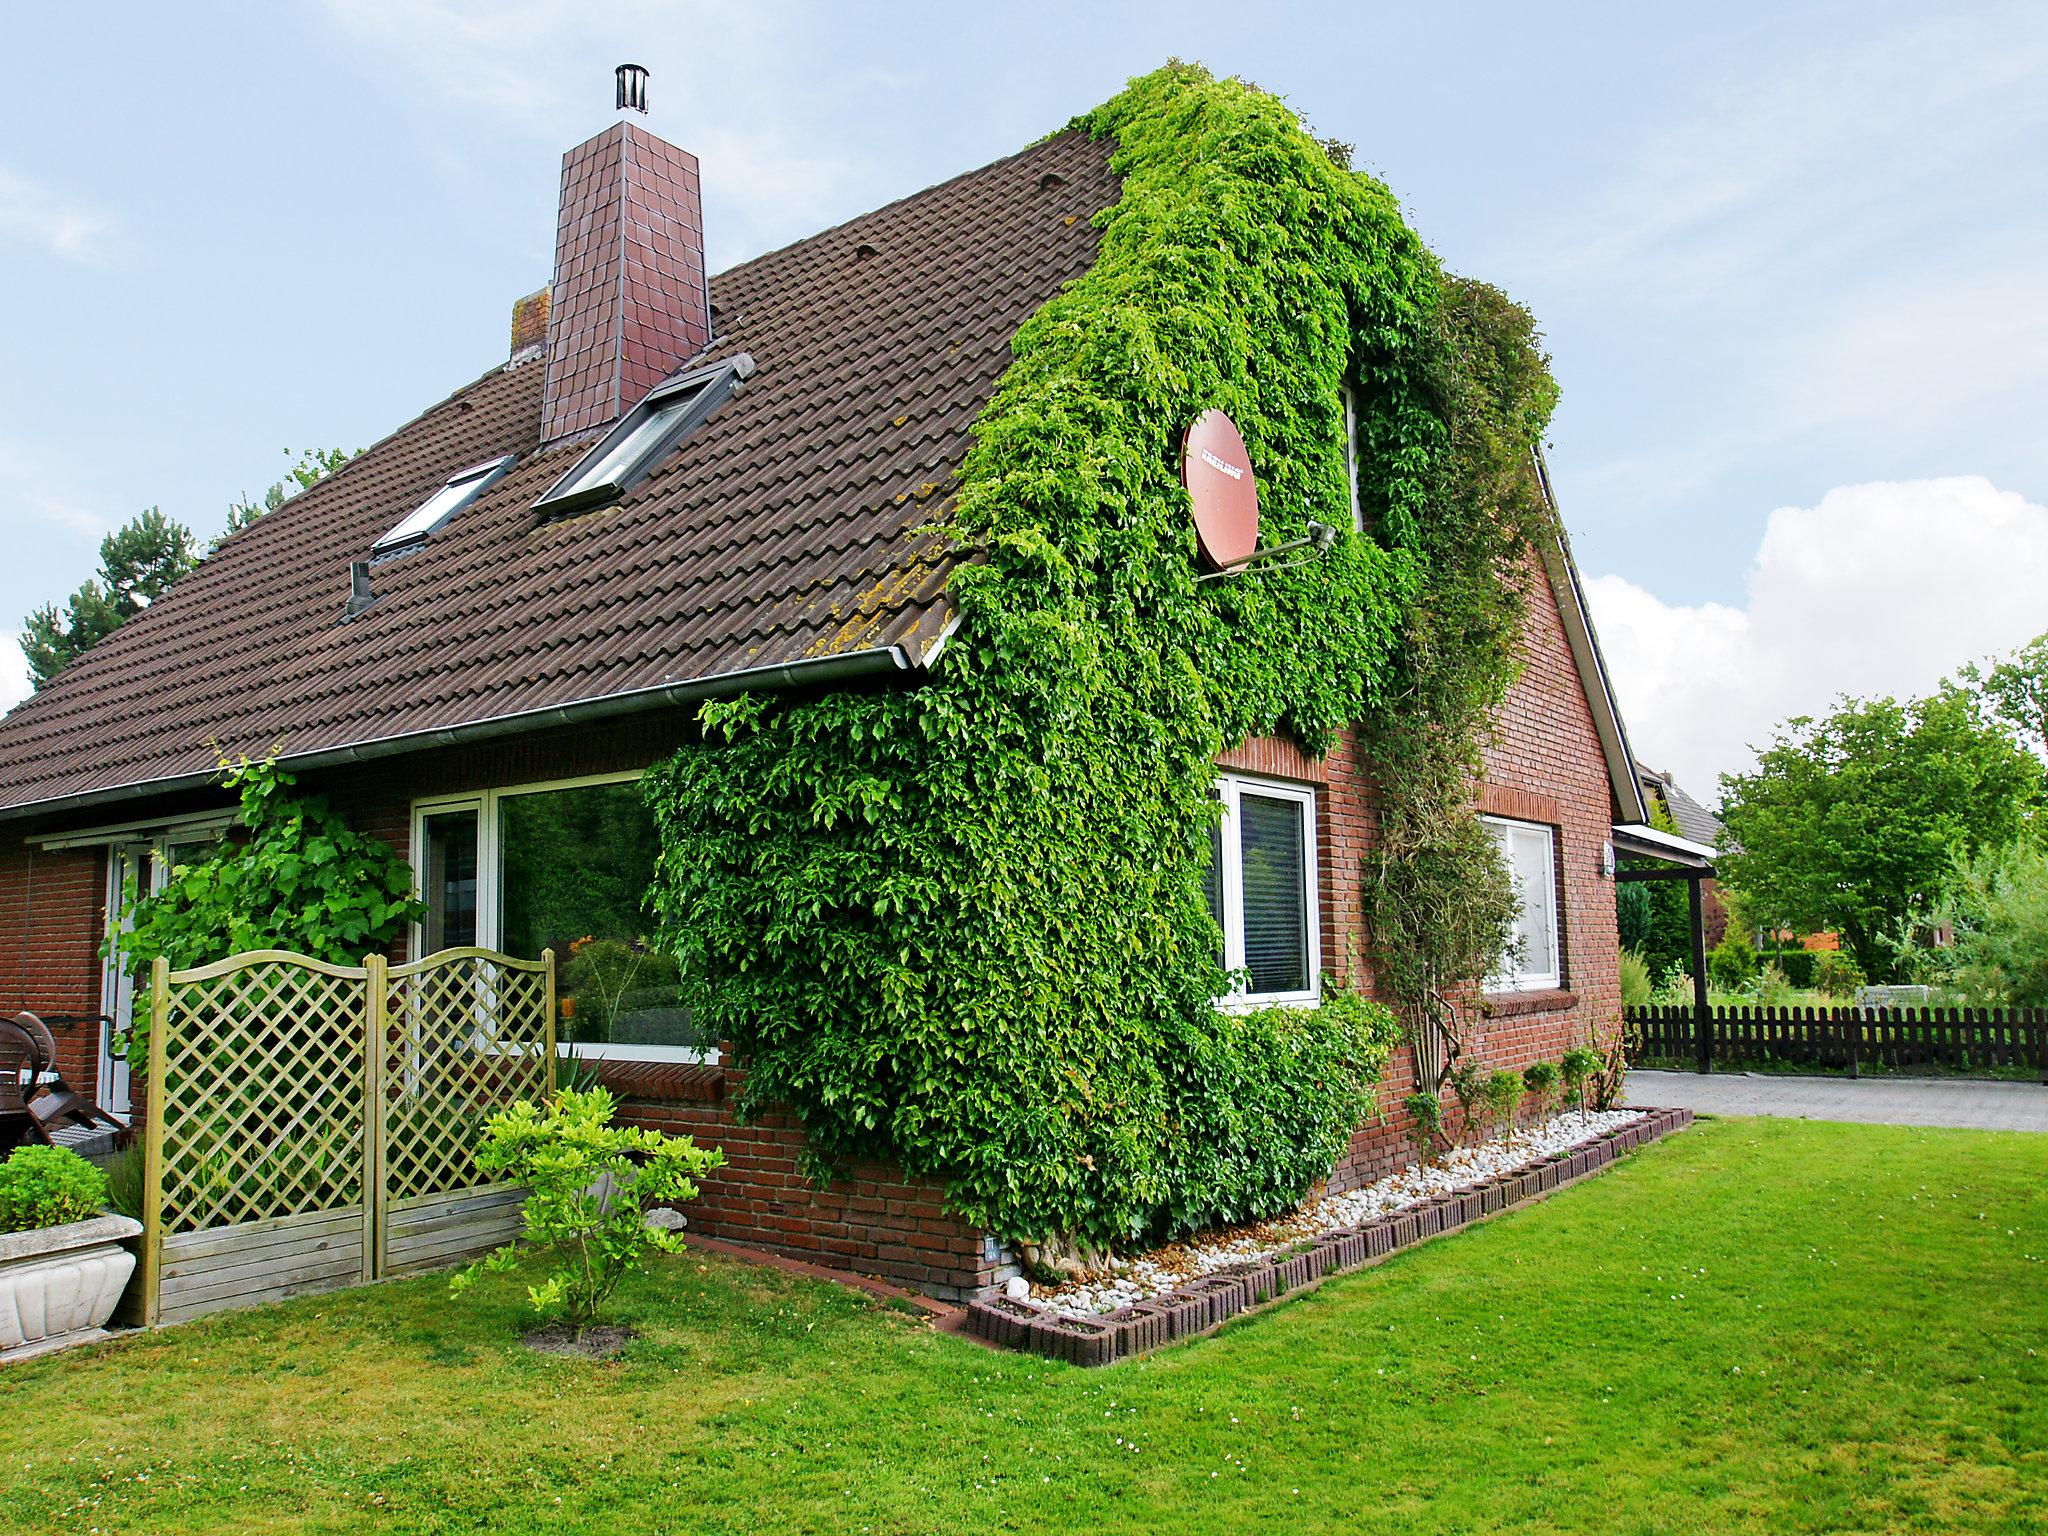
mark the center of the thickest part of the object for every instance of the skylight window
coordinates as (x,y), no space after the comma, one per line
(645,435)
(462,488)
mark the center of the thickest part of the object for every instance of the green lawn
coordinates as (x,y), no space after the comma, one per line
(1754,1326)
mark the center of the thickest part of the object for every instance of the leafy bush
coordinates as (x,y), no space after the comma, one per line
(301,879)
(1503,1098)
(1836,974)
(1579,1067)
(1541,1078)
(1769,988)
(1732,962)
(1469,1084)
(47,1187)
(1637,990)
(1799,965)
(589,1183)
(1425,1123)
(1997,904)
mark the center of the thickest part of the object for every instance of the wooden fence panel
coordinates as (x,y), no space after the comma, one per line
(314,1125)
(1959,1040)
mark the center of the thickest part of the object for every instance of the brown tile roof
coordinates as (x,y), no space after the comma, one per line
(781,532)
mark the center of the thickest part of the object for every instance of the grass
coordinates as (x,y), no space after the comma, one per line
(1762,1326)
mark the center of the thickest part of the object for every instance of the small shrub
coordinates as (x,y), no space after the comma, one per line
(1837,974)
(1578,1068)
(47,1187)
(1637,989)
(1470,1086)
(590,1182)
(1732,962)
(1799,965)
(1503,1098)
(1541,1078)
(1426,1130)
(1769,988)
(1676,986)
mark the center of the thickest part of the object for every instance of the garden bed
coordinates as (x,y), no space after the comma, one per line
(1191,1287)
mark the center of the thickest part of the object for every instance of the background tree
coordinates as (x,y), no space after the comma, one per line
(138,562)
(1996,906)
(1851,822)
(2016,691)
(307,471)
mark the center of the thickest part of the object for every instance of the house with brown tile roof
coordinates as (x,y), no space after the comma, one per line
(478,634)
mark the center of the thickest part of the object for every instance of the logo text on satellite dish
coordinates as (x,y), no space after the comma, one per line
(1232,470)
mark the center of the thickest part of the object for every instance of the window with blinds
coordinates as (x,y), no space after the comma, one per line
(1531,964)
(1261,885)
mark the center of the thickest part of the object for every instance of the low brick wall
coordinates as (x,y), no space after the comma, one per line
(1209,1302)
(871,1218)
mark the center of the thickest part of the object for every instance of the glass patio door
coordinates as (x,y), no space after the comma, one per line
(125,862)
(148,866)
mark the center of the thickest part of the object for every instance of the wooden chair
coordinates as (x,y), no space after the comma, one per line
(22,1062)
(51,1102)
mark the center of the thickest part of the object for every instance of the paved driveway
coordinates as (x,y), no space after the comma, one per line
(1970,1103)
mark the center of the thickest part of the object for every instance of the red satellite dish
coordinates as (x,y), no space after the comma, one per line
(1218,474)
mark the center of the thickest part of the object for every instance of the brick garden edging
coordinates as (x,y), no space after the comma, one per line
(1211,1300)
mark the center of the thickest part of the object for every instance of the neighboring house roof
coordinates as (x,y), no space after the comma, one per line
(782,535)
(1694,821)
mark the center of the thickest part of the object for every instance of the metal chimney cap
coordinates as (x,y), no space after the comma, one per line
(632,94)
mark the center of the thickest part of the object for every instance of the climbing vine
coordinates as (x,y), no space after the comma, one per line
(1440,905)
(963,926)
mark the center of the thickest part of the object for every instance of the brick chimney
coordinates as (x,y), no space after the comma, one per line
(629,301)
(530,322)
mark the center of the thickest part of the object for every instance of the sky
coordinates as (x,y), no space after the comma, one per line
(1789,262)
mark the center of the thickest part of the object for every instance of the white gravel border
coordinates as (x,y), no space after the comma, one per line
(1168,1268)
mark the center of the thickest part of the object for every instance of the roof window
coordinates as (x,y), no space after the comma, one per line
(460,490)
(644,436)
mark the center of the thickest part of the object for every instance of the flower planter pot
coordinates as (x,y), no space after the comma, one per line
(58,1285)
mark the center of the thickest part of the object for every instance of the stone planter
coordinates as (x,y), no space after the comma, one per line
(58,1285)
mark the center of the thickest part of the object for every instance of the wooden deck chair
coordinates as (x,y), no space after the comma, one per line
(54,1102)
(21,1069)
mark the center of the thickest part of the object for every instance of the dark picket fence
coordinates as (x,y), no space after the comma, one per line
(2005,1042)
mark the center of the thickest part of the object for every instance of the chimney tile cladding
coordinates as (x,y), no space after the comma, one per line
(629,300)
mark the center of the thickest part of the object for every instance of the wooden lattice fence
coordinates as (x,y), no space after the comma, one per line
(313,1125)
(2001,1041)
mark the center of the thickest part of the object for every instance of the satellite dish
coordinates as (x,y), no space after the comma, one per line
(1218,474)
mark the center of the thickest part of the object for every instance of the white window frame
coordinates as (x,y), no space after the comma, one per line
(1351,455)
(1538,973)
(1230,788)
(406,535)
(489,913)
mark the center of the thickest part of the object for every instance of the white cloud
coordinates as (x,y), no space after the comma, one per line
(66,229)
(1880,589)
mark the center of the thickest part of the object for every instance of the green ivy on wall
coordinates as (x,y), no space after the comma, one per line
(962,926)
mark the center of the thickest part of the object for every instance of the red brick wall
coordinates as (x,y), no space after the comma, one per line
(52,908)
(869,1217)
(1544,766)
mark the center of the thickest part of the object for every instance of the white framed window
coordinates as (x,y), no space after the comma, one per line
(632,450)
(461,488)
(563,865)
(1262,890)
(1351,455)
(1529,850)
